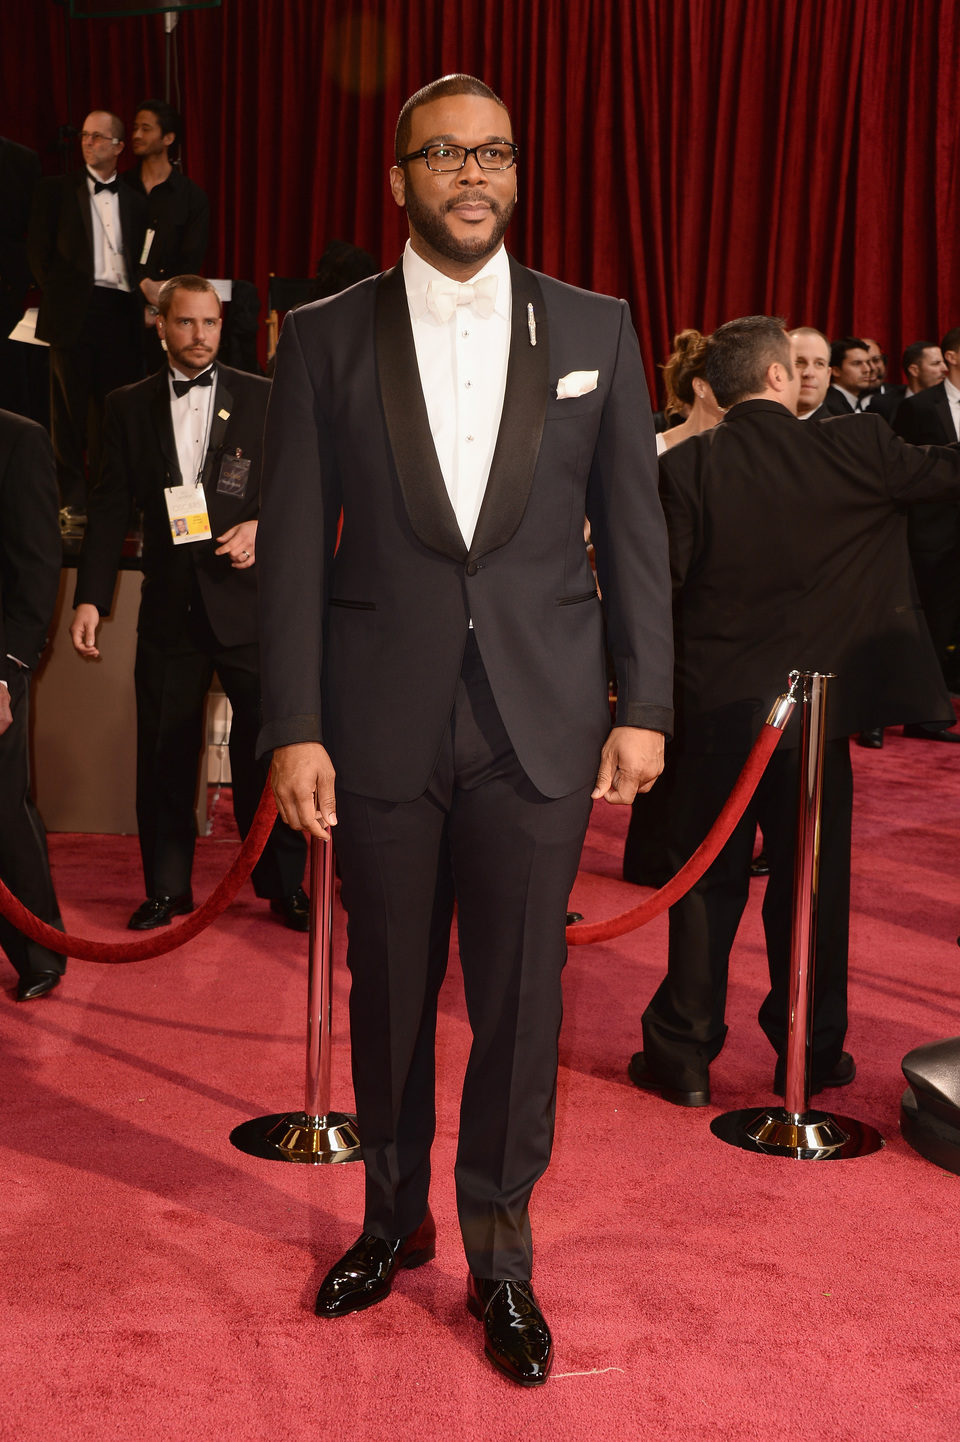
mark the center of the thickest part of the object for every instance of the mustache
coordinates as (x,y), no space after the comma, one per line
(474,197)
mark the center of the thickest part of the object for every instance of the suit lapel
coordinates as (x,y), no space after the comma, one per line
(83,201)
(946,415)
(223,400)
(418,470)
(521,420)
(164,426)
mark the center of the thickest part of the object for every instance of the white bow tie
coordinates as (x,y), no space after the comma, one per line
(443,296)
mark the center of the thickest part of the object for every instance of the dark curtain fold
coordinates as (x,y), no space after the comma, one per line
(703,158)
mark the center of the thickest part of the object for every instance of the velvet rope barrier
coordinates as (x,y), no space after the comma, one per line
(153,945)
(582,933)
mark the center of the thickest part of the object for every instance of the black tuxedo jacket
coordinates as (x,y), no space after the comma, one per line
(139,461)
(362,648)
(60,250)
(835,403)
(788,549)
(19,173)
(30,549)
(927,420)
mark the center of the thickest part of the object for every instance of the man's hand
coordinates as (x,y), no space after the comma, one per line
(6,714)
(303,778)
(631,761)
(83,631)
(240,544)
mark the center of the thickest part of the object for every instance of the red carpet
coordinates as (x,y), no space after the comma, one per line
(158,1284)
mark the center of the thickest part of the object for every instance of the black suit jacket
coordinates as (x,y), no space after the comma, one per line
(835,403)
(19,173)
(60,250)
(362,649)
(788,549)
(139,460)
(30,547)
(927,420)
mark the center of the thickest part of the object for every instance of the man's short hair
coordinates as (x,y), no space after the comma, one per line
(839,348)
(437,90)
(168,119)
(807,330)
(951,340)
(197,283)
(740,354)
(117,130)
(913,354)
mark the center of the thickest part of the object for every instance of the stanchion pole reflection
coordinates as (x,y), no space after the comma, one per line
(315,1135)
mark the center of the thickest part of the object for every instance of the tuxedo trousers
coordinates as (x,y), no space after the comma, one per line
(683,1026)
(172,678)
(24,865)
(481,837)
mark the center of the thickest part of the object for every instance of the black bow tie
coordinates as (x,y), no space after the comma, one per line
(180,388)
(111,185)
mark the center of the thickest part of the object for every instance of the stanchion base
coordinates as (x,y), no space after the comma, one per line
(812,1137)
(296,1137)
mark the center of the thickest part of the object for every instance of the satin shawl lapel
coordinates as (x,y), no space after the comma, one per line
(160,406)
(418,470)
(83,201)
(223,401)
(521,420)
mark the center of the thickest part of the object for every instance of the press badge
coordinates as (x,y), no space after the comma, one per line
(187,509)
(232,480)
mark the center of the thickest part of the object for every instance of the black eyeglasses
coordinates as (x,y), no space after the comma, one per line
(495,155)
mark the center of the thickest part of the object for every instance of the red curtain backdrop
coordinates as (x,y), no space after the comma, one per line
(703,158)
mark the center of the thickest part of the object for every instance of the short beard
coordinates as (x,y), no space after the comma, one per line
(434,230)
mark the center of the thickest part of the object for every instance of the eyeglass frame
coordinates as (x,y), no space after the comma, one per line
(99,135)
(468,150)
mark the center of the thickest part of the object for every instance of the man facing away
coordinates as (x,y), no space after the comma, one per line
(435,686)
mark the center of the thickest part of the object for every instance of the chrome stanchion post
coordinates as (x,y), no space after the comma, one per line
(793,1130)
(316,1134)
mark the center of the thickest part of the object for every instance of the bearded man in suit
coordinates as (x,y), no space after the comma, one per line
(435,683)
(184,446)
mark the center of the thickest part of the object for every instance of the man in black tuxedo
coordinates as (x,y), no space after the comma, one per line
(30,556)
(810,351)
(923,366)
(462,413)
(84,243)
(850,372)
(788,549)
(933,418)
(185,447)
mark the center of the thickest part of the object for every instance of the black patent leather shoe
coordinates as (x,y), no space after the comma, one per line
(841,1075)
(364,1274)
(872,739)
(294,910)
(518,1340)
(760,866)
(159,911)
(642,1077)
(37,983)
(931,733)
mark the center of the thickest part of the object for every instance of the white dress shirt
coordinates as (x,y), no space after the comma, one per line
(191,415)
(953,396)
(109,267)
(463,373)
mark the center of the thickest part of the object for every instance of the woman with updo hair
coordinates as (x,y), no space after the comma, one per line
(688,392)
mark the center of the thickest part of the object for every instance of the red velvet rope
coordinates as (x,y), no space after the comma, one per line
(582,933)
(155,943)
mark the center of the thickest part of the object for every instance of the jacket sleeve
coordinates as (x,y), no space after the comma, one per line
(30,548)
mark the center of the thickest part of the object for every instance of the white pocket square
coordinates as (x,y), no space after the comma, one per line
(577,383)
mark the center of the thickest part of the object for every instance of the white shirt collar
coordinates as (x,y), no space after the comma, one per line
(849,395)
(417,274)
(94,179)
(952,394)
(177,375)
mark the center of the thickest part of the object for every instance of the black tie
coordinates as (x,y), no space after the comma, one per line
(180,388)
(111,185)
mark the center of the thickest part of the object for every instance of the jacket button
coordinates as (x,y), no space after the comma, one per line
(472,568)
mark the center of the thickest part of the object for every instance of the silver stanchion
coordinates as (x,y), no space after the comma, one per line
(792,1130)
(316,1134)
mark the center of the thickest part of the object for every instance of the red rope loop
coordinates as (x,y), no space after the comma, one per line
(154,944)
(706,853)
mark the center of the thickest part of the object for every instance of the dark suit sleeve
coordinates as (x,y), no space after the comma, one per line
(30,547)
(629,534)
(917,472)
(42,230)
(109,505)
(300,503)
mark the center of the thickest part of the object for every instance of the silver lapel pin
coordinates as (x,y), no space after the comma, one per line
(531,325)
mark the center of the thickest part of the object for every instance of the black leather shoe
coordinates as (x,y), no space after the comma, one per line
(364,1274)
(518,1340)
(930,733)
(873,739)
(760,866)
(159,911)
(37,983)
(642,1077)
(294,909)
(841,1076)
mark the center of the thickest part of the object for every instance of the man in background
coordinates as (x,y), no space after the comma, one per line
(850,372)
(810,350)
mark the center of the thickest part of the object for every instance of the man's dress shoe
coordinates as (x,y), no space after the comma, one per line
(364,1274)
(642,1077)
(841,1075)
(37,983)
(160,911)
(293,909)
(930,733)
(760,866)
(872,739)
(518,1340)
